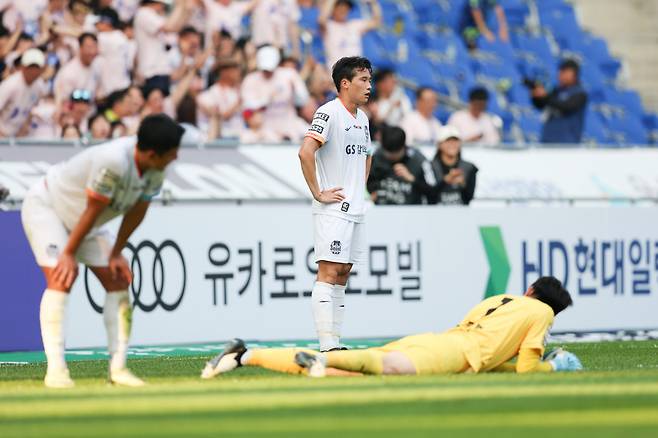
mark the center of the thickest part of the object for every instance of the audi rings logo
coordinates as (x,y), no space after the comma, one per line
(149,261)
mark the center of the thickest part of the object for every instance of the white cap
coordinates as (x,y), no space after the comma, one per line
(33,57)
(449,131)
(268,58)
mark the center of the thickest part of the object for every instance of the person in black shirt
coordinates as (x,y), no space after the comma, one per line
(400,175)
(455,177)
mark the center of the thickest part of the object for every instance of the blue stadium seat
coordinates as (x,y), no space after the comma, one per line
(530,125)
(595,130)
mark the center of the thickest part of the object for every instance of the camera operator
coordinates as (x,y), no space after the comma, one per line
(564,105)
(400,175)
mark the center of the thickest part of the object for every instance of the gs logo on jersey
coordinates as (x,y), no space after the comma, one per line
(356,149)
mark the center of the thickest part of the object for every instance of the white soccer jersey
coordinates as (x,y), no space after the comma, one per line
(341,161)
(108,172)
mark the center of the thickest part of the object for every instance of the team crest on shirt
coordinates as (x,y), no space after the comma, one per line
(335,247)
(52,250)
(345,207)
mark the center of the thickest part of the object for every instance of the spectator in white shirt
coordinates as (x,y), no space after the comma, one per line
(227,15)
(80,73)
(474,124)
(342,36)
(115,57)
(420,126)
(281,91)
(255,131)
(20,92)
(391,103)
(150,24)
(275,23)
(221,104)
(187,54)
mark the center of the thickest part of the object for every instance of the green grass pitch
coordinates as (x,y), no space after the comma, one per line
(616,396)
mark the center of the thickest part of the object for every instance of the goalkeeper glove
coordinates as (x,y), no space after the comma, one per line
(562,360)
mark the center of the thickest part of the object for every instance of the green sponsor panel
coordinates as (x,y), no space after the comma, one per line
(494,247)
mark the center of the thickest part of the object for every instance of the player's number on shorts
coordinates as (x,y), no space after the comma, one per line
(503,302)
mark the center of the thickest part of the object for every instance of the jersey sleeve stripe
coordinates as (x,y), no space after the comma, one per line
(316,137)
(97,196)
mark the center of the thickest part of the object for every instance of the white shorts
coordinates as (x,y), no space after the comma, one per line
(338,240)
(48,236)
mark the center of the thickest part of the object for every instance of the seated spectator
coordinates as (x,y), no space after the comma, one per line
(99,128)
(399,175)
(474,22)
(455,177)
(475,125)
(80,73)
(255,131)
(21,92)
(114,55)
(342,36)
(391,104)
(280,90)
(137,103)
(150,23)
(564,106)
(420,126)
(221,103)
(118,130)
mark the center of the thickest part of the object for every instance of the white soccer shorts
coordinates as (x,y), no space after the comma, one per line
(48,236)
(338,240)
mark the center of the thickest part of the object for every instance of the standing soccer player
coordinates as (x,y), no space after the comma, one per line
(63,216)
(335,158)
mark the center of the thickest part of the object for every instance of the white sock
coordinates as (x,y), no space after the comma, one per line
(117,316)
(338,304)
(323,314)
(52,315)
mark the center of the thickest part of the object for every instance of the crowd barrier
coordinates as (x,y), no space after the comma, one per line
(212,271)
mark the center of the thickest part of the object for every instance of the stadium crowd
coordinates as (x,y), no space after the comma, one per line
(92,69)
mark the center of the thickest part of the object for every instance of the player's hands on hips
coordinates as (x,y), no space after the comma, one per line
(330,196)
(119,268)
(562,360)
(66,270)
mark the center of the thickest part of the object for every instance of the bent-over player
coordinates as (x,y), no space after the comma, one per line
(63,217)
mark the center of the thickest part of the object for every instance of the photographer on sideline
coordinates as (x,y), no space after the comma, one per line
(564,105)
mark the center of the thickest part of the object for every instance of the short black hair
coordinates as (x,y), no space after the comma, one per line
(394,139)
(382,74)
(571,64)
(188,30)
(346,68)
(159,133)
(478,93)
(110,16)
(549,290)
(349,3)
(116,96)
(84,36)
(421,90)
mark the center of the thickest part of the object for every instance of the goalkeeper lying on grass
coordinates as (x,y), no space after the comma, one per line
(495,331)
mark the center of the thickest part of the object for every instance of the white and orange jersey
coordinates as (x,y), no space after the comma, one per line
(107,172)
(341,161)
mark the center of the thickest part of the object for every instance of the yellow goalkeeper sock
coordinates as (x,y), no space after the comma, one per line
(276,359)
(369,361)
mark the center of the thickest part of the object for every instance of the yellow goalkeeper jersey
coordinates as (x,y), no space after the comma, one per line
(496,330)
